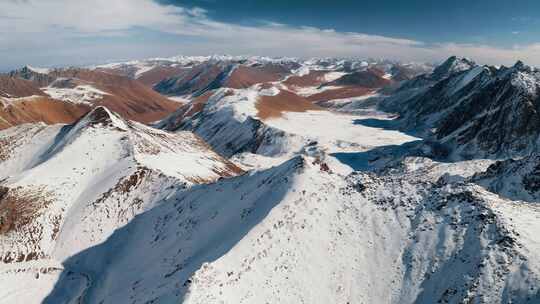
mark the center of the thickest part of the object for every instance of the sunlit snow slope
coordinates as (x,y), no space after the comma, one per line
(65,188)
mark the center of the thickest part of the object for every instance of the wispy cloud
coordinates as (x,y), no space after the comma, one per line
(51,31)
(79,16)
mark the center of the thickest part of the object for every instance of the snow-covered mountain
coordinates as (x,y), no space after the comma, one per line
(301,232)
(473,110)
(152,71)
(228,119)
(66,188)
(513,179)
(276,180)
(185,75)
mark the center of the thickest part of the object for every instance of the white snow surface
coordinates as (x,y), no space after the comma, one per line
(526,81)
(180,99)
(39,70)
(468,77)
(312,90)
(7,100)
(352,103)
(81,94)
(337,131)
(273,237)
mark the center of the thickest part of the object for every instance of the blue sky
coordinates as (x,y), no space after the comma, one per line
(79,32)
(471,21)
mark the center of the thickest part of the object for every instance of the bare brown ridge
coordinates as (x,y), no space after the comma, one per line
(39,109)
(285,101)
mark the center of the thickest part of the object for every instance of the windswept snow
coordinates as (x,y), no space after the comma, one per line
(353,103)
(15,99)
(335,131)
(468,77)
(308,91)
(241,103)
(527,82)
(39,70)
(81,94)
(180,99)
(298,234)
(331,76)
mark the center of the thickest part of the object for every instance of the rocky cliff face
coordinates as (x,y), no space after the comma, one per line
(474,110)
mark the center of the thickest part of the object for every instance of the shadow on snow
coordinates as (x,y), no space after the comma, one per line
(173,240)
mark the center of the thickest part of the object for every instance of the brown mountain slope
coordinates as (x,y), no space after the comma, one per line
(15,87)
(130,98)
(313,78)
(343,92)
(353,85)
(196,80)
(157,74)
(370,78)
(149,77)
(38,109)
(246,76)
(274,106)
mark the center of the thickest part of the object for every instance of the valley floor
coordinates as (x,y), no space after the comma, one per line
(340,131)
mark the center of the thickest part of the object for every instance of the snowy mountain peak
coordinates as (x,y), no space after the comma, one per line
(36,70)
(523,77)
(102,116)
(452,65)
(519,65)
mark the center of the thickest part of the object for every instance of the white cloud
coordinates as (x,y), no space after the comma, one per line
(493,55)
(81,16)
(51,32)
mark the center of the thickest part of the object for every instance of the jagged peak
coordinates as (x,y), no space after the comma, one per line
(521,76)
(521,66)
(101,116)
(453,65)
(36,70)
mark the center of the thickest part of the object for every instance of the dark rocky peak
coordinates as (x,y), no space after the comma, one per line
(100,116)
(451,66)
(28,73)
(519,65)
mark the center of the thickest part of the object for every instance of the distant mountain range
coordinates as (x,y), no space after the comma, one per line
(127,87)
